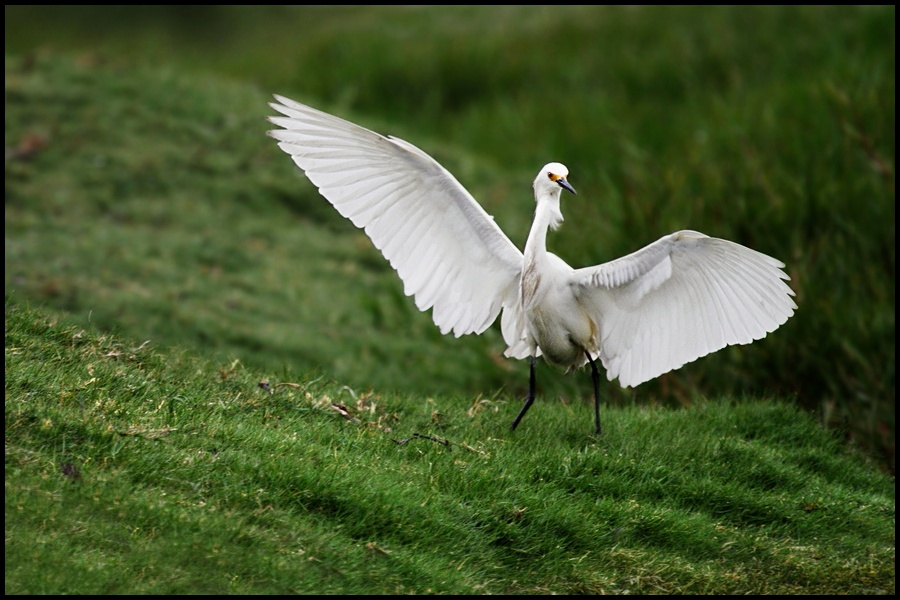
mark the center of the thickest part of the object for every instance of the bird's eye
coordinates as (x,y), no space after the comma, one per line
(551,176)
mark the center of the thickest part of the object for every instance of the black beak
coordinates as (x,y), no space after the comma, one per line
(565,185)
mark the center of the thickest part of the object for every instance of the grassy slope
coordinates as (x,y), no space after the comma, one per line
(149,200)
(130,469)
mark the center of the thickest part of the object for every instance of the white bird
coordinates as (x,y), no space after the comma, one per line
(682,297)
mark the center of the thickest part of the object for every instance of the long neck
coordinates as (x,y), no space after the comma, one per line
(546,215)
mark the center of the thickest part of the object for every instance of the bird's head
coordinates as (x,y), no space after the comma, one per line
(551,178)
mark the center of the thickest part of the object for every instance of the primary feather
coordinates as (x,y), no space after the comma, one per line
(450,254)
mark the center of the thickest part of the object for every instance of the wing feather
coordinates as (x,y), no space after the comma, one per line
(682,297)
(422,220)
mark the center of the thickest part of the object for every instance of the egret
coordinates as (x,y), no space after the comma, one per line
(678,299)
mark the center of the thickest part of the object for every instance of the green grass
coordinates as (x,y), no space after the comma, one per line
(142,193)
(130,469)
(145,202)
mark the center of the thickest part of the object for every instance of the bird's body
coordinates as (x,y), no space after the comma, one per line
(642,315)
(556,323)
(555,320)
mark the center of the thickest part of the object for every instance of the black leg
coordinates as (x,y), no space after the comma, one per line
(595,375)
(529,400)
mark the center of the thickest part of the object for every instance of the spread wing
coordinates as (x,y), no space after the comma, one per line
(682,297)
(448,251)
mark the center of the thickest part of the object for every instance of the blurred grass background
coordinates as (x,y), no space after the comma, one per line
(143,195)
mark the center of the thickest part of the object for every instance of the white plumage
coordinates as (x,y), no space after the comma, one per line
(642,315)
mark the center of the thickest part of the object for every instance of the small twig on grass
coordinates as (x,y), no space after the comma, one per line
(342,410)
(296,386)
(150,434)
(422,435)
(270,387)
(265,385)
